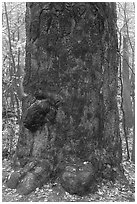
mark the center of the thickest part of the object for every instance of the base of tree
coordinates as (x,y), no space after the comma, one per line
(78,178)
(33,175)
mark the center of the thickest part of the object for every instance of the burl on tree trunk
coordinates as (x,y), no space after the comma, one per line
(70,127)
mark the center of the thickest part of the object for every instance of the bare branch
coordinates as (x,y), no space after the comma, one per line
(126,23)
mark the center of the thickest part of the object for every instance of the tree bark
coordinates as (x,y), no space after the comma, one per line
(133,101)
(70,117)
(126,86)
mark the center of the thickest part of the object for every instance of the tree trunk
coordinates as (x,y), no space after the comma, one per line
(133,143)
(126,86)
(133,99)
(70,122)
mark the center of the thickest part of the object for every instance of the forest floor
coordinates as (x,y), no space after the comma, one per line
(107,191)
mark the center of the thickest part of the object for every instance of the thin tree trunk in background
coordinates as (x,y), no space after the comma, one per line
(133,98)
(8,28)
(11,61)
(13,80)
(133,145)
(126,86)
(125,73)
(127,105)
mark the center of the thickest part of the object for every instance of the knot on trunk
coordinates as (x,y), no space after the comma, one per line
(39,113)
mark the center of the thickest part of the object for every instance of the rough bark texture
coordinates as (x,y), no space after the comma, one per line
(70,117)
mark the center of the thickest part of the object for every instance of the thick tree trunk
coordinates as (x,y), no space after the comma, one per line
(70,117)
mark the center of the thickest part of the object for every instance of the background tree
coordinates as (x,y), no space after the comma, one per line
(13,36)
(126,23)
